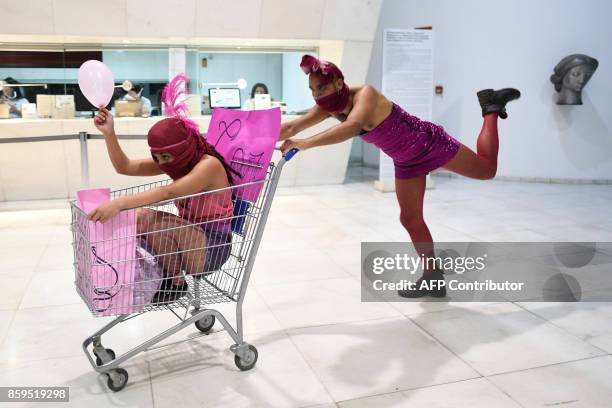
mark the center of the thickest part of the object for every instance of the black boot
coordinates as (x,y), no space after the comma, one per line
(495,101)
(168,292)
(435,291)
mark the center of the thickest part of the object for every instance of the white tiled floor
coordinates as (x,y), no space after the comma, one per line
(319,345)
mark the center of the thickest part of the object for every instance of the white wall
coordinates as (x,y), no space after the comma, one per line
(176,19)
(493,43)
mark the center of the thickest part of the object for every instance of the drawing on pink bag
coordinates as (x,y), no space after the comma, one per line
(246,137)
(106,261)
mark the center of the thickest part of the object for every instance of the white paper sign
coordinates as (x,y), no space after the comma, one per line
(262,101)
(28,111)
(62,101)
(407,80)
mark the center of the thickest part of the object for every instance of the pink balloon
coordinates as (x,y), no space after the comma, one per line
(96,82)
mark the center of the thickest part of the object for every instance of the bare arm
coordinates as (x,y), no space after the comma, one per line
(199,179)
(122,164)
(314,116)
(364,105)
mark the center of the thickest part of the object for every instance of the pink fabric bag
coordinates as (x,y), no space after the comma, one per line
(245,136)
(106,257)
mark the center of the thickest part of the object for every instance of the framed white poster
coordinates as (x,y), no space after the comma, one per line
(407,79)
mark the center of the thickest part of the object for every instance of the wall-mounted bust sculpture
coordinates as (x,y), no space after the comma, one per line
(571,75)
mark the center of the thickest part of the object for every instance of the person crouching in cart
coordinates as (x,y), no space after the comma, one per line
(179,241)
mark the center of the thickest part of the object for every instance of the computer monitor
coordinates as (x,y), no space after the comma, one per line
(224,98)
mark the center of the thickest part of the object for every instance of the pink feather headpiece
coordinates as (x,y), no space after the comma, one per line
(180,136)
(174,90)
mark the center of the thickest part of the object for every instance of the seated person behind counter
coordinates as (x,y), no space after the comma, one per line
(133,103)
(258,89)
(257,102)
(12,97)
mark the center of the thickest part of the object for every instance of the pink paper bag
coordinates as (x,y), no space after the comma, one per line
(106,257)
(245,136)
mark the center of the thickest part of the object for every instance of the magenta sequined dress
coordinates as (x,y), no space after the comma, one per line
(417,147)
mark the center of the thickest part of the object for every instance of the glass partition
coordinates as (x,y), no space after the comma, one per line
(145,71)
(277,74)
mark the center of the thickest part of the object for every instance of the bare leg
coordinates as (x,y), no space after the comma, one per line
(176,243)
(481,165)
(410,195)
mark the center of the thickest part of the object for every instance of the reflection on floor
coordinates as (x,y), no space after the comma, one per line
(318,344)
(360,174)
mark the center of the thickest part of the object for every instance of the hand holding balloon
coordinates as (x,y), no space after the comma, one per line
(96,82)
(104,122)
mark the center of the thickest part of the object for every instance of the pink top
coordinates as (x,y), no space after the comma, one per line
(209,207)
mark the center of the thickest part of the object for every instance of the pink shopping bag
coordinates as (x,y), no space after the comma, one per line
(245,136)
(106,257)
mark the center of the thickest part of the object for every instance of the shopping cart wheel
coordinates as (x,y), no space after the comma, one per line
(247,363)
(117,379)
(205,324)
(99,360)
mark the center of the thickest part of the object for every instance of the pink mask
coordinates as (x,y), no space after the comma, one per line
(327,72)
(335,102)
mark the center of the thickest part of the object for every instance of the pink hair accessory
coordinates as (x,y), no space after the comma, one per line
(313,65)
(173,91)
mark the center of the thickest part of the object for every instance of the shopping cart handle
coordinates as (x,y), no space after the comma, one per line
(291,153)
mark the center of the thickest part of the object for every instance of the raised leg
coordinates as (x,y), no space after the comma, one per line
(483,163)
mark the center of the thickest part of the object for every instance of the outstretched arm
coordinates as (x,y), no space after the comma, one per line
(199,179)
(364,106)
(122,164)
(314,116)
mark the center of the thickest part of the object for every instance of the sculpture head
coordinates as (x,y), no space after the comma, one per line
(571,75)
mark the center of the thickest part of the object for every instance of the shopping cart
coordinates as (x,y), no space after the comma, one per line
(226,279)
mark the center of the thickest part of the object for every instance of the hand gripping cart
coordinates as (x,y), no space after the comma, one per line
(106,292)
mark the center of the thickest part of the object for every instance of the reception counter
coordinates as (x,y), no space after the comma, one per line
(53,158)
